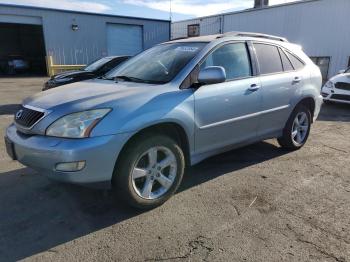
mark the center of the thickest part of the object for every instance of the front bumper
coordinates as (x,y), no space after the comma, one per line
(49,84)
(336,95)
(42,153)
(52,84)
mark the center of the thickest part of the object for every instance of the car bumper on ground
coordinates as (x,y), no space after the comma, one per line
(43,153)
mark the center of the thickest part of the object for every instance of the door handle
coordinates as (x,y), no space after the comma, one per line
(296,80)
(254,87)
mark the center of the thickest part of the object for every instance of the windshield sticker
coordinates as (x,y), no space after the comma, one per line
(187,48)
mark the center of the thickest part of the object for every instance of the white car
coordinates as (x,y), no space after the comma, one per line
(337,89)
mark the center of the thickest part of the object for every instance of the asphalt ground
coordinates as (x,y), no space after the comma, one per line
(257,203)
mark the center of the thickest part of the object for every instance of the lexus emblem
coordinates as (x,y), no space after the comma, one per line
(19,114)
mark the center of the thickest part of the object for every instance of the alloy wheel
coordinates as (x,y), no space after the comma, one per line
(300,128)
(154,173)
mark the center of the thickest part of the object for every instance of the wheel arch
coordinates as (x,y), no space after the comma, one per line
(310,103)
(171,129)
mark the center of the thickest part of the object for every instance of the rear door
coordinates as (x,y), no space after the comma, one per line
(279,82)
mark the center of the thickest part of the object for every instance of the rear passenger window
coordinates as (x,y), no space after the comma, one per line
(297,64)
(269,59)
(287,65)
(233,57)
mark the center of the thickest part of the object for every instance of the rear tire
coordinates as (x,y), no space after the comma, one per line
(297,129)
(149,171)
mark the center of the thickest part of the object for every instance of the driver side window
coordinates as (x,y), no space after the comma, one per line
(233,58)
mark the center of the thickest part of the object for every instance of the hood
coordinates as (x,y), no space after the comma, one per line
(89,94)
(132,104)
(345,78)
(68,74)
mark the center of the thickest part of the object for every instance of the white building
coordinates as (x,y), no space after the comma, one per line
(320,26)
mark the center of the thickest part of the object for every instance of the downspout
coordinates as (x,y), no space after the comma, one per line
(221,24)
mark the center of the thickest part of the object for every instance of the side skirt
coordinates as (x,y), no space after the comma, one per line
(196,158)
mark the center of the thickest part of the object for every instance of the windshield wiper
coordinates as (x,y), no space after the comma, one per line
(106,78)
(128,79)
(137,80)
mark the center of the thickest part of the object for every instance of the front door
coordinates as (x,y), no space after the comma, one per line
(226,113)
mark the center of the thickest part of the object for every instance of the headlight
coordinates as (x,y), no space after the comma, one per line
(76,125)
(329,85)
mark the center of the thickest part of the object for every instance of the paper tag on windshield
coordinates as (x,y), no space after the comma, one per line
(187,48)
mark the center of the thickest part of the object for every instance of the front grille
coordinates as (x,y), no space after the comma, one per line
(342,85)
(341,97)
(26,117)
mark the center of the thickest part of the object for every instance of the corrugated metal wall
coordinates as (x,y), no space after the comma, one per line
(89,42)
(208,26)
(320,26)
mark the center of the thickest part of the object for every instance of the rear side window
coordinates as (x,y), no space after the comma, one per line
(297,64)
(233,57)
(287,65)
(269,59)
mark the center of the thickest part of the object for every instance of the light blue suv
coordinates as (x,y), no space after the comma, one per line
(171,106)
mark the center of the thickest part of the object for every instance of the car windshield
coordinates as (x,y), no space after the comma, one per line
(157,65)
(347,70)
(97,64)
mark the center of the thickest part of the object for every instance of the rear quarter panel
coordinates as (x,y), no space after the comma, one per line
(311,87)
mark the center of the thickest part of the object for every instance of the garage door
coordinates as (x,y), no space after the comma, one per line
(22,49)
(124,39)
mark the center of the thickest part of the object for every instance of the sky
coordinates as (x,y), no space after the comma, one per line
(181,9)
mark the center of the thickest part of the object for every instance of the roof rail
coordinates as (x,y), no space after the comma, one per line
(179,38)
(259,35)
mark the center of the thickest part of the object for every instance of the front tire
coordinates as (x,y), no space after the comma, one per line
(297,129)
(149,171)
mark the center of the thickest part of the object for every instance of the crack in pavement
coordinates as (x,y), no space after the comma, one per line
(316,227)
(299,238)
(197,245)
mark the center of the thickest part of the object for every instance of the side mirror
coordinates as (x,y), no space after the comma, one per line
(212,75)
(341,72)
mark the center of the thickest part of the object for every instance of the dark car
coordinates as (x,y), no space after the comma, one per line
(14,64)
(95,69)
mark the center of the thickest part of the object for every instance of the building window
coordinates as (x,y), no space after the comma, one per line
(323,63)
(193,30)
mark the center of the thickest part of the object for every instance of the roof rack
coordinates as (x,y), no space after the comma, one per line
(259,35)
(179,38)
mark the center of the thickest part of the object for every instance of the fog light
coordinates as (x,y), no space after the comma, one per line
(70,166)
